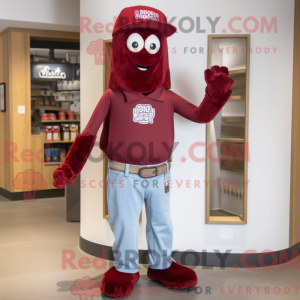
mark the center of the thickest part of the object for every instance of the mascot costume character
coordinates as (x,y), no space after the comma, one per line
(138,135)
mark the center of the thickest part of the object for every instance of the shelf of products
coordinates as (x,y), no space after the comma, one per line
(57,126)
(55,109)
(69,91)
(48,108)
(57,141)
(60,121)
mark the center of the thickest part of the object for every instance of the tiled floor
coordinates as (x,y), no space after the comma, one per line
(33,236)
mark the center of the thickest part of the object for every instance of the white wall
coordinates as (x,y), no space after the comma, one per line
(269,125)
(60,15)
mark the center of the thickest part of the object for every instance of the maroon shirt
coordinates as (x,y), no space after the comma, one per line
(139,129)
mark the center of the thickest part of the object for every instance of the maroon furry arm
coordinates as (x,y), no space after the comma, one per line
(75,161)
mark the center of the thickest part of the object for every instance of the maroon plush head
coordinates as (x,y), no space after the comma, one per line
(139,56)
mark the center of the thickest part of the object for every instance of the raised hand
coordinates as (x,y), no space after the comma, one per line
(219,85)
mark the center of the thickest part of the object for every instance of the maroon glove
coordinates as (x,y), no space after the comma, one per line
(218,91)
(75,160)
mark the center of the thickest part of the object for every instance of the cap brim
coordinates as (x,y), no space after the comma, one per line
(165,28)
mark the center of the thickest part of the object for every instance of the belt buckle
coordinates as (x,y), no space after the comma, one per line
(141,170)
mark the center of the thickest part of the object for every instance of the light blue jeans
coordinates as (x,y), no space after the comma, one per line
(125,196)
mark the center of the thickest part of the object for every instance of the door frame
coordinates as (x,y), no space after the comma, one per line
(294,236)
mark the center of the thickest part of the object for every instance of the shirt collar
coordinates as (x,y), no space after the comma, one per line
(158,94)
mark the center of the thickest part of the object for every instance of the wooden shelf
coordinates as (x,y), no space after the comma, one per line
(68,91)
(53,163)
(237,72)
(226,220)
(237,97)
(48,108)
(58,142)
(233,119)
(230,140)
(60,121)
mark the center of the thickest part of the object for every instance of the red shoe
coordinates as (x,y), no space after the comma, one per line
(116,284)
(175,277)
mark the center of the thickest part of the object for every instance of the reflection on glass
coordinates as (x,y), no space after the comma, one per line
(227,132)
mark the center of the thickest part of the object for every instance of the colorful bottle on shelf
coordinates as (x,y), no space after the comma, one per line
(66,132)
(56,133)
(54,154)
(49,133)
(62,155)
(62,114)
(71,115)
(73,131)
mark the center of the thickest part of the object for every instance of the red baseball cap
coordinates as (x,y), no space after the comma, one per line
(143,17)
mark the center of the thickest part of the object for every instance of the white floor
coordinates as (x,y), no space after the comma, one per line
(33,236)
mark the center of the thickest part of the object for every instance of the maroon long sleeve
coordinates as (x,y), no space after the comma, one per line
(139,129)
(99,114)
(205,112)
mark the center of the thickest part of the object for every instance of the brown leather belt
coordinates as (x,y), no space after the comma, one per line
(144,172)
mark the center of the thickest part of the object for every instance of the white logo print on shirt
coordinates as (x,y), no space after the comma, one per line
(143,114)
